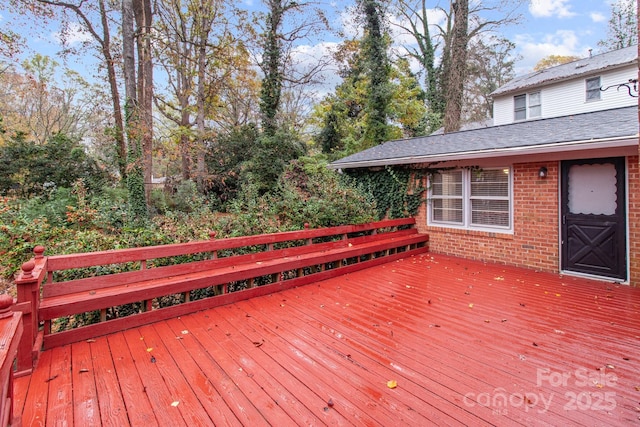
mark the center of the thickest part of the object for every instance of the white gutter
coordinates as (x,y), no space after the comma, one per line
(556,147)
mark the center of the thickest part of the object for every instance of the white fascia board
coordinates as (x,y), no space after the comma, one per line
(557,147)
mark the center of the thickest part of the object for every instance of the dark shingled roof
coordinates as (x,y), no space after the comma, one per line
(593,64)
(617,124)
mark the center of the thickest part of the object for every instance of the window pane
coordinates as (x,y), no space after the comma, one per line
(535,109)
(593,89)
(447,210)
(520,107)
(490,212)
(534,98)
(490,183)
(447,184)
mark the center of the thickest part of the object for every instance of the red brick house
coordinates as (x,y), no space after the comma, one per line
(552,184)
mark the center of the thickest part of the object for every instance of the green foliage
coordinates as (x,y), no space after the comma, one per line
(396,191)
(226,160)
(30,169)
(343,117)
(269,160)
(308,192)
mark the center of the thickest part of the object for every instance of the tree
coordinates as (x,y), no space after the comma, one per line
(186,53)
(95,18)
(623,26)
(341,116)
(490,65)
(28,168)
(451,43)
(553,60)
(40,104)
(376,69)
(454,65)
(138,73)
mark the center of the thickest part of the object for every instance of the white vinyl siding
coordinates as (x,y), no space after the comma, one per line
(568,97)
(472,199)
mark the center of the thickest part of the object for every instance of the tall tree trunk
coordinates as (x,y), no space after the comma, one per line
(121,145)
(135,175)
(143,17)
(457,70)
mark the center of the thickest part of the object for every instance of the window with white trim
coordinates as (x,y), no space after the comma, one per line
(527,106)
(535,105)
(474,199)
(593,89)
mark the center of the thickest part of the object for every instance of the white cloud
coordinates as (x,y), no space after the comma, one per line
(550,8)
(72,35)
(533,49)
(597,17)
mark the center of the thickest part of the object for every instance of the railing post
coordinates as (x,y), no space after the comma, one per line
(28,302)
(10,333)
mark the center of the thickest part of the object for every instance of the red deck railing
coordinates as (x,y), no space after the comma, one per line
(145,275)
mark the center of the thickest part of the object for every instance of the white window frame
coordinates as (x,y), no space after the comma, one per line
(531,107)
(593,90)
(466,197)
(527,110)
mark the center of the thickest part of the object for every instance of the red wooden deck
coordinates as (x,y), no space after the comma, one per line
(467,344)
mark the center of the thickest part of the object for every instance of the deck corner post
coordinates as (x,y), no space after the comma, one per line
(28,284)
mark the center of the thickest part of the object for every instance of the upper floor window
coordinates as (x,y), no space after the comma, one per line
(593,89)
(520,107)
(527,106)
(535,106)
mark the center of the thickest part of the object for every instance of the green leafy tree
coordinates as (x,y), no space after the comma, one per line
(623,26)
(342,118)
(28,168)
(377,71)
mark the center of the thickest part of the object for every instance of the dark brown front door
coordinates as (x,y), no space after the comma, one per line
(594,217)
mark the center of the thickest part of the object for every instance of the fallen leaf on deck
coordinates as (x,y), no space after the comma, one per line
(51,378)
(153,359)
(330,403)
(498,278)
(392,383)
(83,370)
(637,388)
(91,340)
(185,332)
(487,321)
(149,350)
(258,343)
(557,295)
(174,404)
(471,305)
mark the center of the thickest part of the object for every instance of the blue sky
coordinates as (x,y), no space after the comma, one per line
(561,27)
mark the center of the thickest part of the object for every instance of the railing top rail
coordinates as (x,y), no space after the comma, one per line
(117,256)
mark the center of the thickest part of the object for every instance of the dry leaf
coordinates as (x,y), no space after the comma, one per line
(185,332)
(471,305)
(149,350)
(174,404)
(83,370)
(392,383)
(91,340)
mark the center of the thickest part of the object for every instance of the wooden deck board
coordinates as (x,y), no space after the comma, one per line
(467,343)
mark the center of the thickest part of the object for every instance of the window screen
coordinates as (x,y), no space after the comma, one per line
(535,106)
(593,89)
(520,107)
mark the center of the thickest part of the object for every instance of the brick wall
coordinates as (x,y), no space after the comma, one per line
(535,241)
